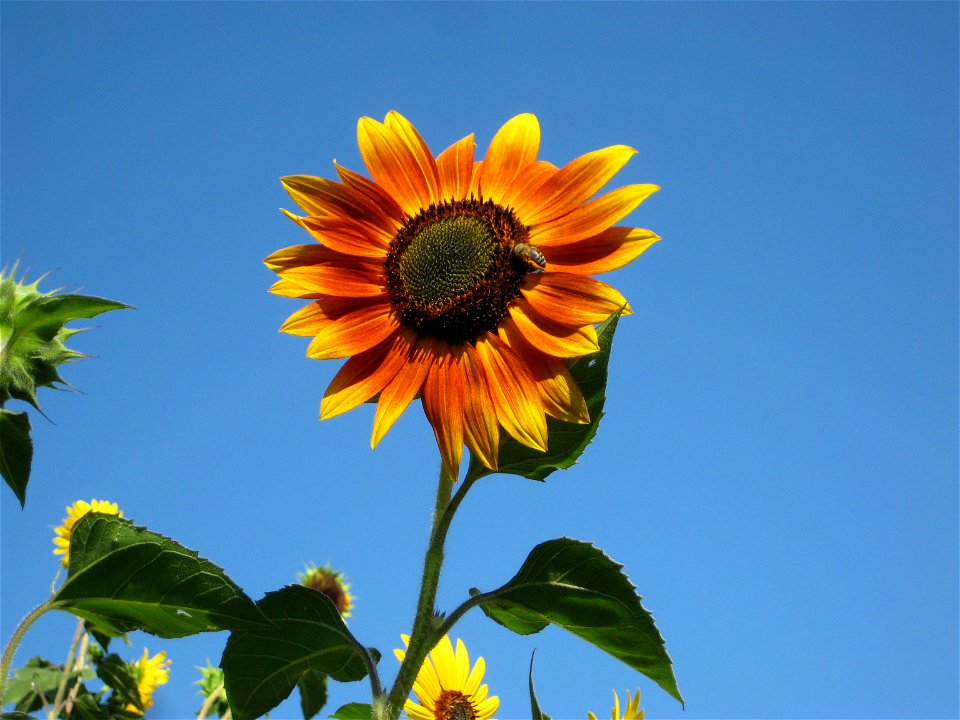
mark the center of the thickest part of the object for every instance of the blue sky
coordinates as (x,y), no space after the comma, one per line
(777,468)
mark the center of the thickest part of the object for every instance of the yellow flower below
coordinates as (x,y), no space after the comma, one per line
(74,513)
(633,711)
(151,672)
(447,687)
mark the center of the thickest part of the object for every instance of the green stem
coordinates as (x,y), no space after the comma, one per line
(423,636)
(11,649)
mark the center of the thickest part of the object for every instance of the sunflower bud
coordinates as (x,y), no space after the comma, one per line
(331,583)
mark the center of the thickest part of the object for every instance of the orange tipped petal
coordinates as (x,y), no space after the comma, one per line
(370,190)
(455,165)
(360,378)
(291,289)
(353,332)
(526,183)
(550,337)
(481,429)
(348,237)
(418,148)
(443,405)
(397,395)
(610,250)
(296,255)
(591,218)
(572,299)
(393,166)
(341,279)
(559,392)
(513,392)
(322,198)
(514,147)
(573,184)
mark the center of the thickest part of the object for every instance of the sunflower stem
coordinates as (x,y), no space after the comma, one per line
(423,635)
(10,650)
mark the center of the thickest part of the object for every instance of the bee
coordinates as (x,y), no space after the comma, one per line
(530,254)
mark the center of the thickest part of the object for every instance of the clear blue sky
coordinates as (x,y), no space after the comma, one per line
(778,464)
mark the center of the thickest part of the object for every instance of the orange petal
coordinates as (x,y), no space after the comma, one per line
(572,299)
(291,289)
(295,255)
(609,250)
(361,377)
(574,184)
(399,392)
(455,165)
(475,178)
(353,332)
(591,218)
(418,148)
(340,279)
(393,166)
(481,429)
(514,393)
(443,405)
(559,392)
(348,237)
(513,148)
(321,197)
(526,183)
(373,192)
(550,337)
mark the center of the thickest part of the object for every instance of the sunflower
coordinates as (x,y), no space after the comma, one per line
(331,583)
(151,673)
(633,711)
(74,513)
(446,686)
(466,282)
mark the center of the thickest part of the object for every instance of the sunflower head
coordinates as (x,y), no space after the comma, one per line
(331,583)
(75,512)
(447,688)
(633,711)
(463,281)
(151,673)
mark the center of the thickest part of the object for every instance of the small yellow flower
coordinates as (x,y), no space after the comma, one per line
(74,513)
(331,583)
(446,686)
(151,672)
(633,710)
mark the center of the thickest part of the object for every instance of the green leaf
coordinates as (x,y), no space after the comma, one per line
(16,715)
(36,676)
(117,674)
(47,315)
(123,577)
(16,452)
(354,711)
(535,712)
(566,441)
(262,666)
(574,585)
(313,693)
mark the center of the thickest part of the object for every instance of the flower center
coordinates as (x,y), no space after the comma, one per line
(450,271)
(453,705)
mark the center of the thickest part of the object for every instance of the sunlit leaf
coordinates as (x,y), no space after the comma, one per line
(123,577)
(567,441)
(535,712)
(354,711)
(574,585)
(262,666)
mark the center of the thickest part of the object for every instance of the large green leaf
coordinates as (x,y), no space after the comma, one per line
(566,441)
(574,585)
(354,711)
(36,677)
(16,452)
(123,577)
(262,666)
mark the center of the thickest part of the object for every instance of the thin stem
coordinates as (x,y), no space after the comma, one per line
(208,703)
(7,659)
(78,665)
(469,604)
(422,637)
(67,667)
